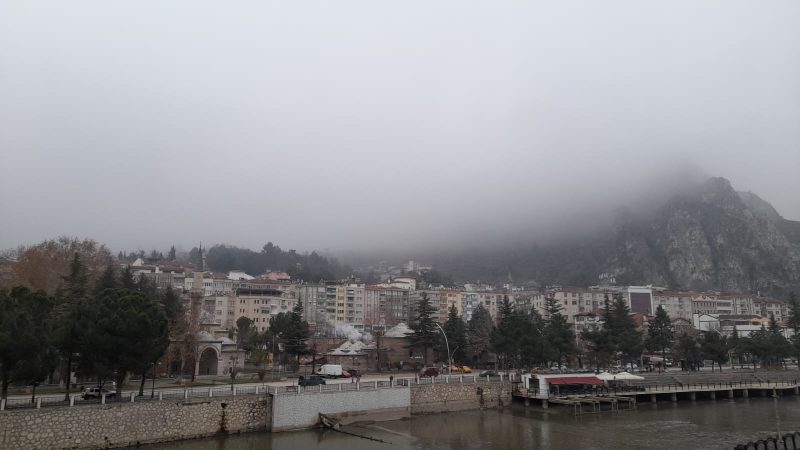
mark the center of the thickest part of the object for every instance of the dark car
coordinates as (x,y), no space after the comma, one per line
(429,372)
(311,380)
(352,373)
(488,373)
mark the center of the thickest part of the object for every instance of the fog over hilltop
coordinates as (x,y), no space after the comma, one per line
(366,126)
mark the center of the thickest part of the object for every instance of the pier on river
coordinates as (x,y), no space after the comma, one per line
(584,397)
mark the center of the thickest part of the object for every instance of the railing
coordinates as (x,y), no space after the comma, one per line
(789,441)
(676,388)
(228,391)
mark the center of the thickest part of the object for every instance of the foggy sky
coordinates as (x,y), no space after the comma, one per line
(356,125)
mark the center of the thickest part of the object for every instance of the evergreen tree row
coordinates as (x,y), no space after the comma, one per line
(108,330)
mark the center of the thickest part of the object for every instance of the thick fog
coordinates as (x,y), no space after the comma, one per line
(361,125)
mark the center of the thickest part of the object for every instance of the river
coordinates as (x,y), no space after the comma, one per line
(683,425)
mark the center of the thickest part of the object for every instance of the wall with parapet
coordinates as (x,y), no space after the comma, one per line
(292,412)
(440,397)
(127,424)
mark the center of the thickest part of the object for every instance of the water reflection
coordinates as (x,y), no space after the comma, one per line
(684,425)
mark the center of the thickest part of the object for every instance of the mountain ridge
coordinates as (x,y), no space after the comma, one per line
(707,238)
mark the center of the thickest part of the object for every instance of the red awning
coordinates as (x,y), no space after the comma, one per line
(575,380)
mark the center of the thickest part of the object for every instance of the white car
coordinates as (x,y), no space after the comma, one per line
(96,392)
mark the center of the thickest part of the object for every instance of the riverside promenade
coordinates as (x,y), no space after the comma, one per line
(174,414)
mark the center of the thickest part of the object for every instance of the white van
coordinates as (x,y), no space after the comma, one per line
(330,370)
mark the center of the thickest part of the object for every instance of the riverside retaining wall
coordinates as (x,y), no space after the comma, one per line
(439,398)
(125,424)
(291,412)
(129,424)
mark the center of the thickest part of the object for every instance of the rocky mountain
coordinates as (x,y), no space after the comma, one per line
(709,237)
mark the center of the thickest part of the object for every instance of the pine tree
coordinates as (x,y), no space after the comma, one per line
(509,336)
(779,346)
(558,333)
(70,305)
(173,307)
(688,350)
(623,331)
(125,331)
(479,333)
(297,334)
(456,334)
(660,333)
(26,351)
(172,255)
(108,279)
(715,347)
(425,333)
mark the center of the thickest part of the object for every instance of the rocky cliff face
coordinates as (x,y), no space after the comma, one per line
(710,238)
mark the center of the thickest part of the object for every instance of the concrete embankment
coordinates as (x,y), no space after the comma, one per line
(293,412)
(133,423)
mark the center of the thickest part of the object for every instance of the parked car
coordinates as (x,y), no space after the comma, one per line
(488,373)
(96,392)
(354,373)
(462,369)
(310,380)
(429,372)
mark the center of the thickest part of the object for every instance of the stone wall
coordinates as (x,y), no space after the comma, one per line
(129,424)
(124,424)
(438,398)
(292,412)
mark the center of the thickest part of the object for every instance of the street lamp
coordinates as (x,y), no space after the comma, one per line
(234,364)
(153,385)
(449,359)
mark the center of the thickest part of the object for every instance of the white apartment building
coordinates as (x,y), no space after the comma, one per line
(677,304)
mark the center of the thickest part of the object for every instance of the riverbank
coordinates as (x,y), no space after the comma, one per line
(127,423)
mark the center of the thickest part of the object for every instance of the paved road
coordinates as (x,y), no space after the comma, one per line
(168,385)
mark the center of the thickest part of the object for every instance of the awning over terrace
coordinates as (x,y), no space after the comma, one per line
(575,380)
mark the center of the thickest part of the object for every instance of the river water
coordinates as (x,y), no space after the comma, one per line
(684,425)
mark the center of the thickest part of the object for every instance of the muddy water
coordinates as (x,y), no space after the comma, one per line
(685,425)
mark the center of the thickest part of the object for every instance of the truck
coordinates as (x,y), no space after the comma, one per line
(330,371)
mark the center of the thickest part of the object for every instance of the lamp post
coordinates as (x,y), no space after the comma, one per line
(447,345)
(153,385)
(234,364)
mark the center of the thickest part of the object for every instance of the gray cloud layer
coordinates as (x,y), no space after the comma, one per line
(359,124)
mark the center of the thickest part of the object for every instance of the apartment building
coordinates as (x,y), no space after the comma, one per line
(766,308)
(710,303)
(354,305)
(385,307)
(573,301)
(677,304)
(437,300)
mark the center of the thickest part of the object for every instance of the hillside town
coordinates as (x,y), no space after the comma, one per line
(337,310)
